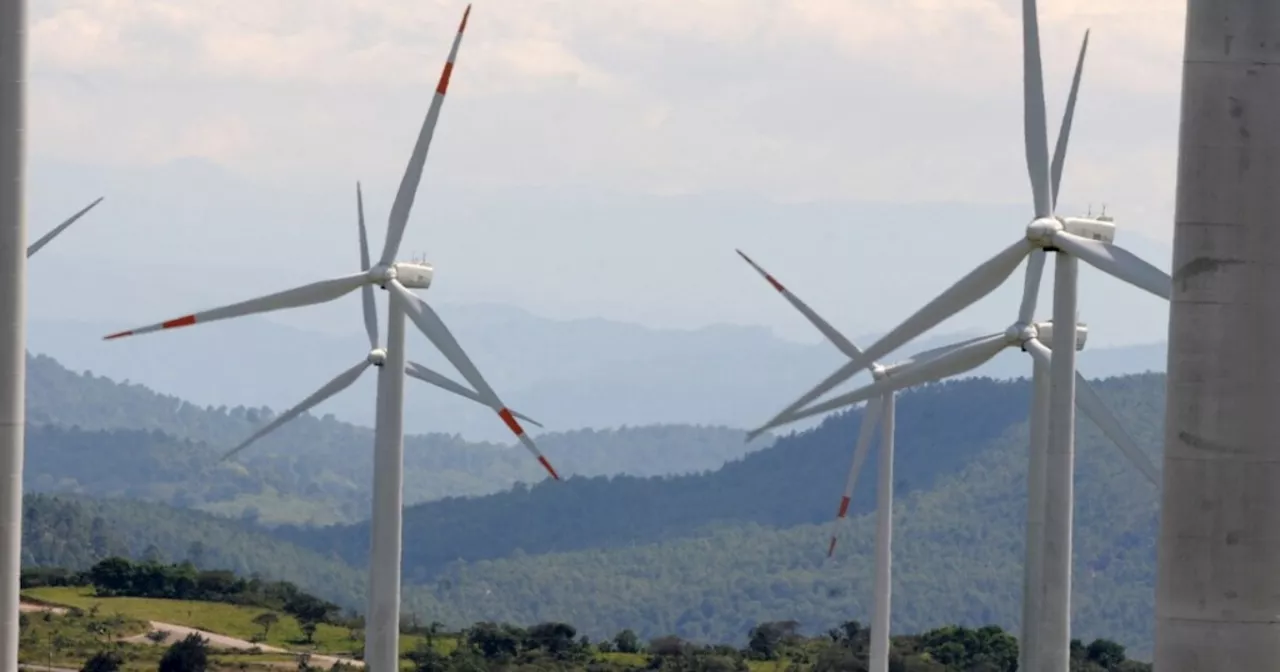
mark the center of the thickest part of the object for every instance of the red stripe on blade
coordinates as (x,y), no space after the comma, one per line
(776,285)
(511,422)
(119,334)
(547,465)
(180,322)
(844,507)
(464,19)
(831,548)
(443,87)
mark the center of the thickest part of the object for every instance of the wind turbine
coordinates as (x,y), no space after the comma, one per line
(1071,238)
(46,238)
(397,277)
(880,409)
(377,357)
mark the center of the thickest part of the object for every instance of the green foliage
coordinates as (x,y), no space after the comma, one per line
(190,654)
(103,661)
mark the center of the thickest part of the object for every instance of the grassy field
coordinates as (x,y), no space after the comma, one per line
(224,619)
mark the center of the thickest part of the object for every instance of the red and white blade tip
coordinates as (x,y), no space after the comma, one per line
(184,321)
(772,280)
(443,86)
(514,426)
(831,548)
(844,507)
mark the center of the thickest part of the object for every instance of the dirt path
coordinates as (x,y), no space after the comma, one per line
(216,641)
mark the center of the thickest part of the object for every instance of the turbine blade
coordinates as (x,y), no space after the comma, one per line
(1031,286)
(980,282)
(1038,351)
(338,384)
(870,418)
(44,240)
(431,326)
(1064,131)
(837,339)
(952,363)
(1116,261)
(441,381)
(1088,400)
(413,172)
(366,292)
(1035,127)
(306,295)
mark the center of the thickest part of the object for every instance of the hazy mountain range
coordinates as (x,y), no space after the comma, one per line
(567,374)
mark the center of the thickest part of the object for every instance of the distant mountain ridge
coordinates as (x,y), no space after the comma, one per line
(567,374)
(93,436)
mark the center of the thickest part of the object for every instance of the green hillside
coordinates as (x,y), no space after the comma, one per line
(798,480)
(701,555)
(704,556)
(93,436)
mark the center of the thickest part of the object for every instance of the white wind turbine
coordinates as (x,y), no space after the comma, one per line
(1071,238)
(880,409)
(46,238)
(383,611)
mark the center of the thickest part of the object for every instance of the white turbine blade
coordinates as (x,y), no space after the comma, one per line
(837,339)
(1064,132)
(413,172)
(1038,351)
(1035,127)
(1093,406)
(441,381)
(953,363)
(44,240)
(306,295)
(1031,286)
(431,326)
(1116,261)
(338,384)
(366,292)
(870,418)
(980,282)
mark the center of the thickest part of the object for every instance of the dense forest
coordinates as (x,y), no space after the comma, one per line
(695,556)
(93,436)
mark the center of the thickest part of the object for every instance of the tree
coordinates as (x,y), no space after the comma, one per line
(191,654)
(103,661)
(265,620)
(626,642)
(309,629)
(1105,653)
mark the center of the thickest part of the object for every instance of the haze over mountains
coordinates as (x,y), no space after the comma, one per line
(665,262)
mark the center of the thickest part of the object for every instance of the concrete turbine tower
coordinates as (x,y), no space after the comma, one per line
(13,317)
(1218,575)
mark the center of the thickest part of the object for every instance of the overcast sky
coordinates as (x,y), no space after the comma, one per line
(790,101)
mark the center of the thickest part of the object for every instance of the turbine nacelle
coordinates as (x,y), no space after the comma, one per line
(1041,231)
(1044,333)
(377,357)
(413,275)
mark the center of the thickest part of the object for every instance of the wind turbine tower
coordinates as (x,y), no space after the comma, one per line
(13,317)
(1217,584)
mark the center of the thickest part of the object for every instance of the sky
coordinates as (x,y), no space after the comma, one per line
(604,107)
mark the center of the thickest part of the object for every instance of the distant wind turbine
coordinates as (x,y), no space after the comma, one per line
(397,277)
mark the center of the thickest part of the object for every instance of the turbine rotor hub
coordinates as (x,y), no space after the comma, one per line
(377,357)
(1042,230)
(382,274)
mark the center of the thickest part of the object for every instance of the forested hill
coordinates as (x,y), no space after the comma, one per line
(941,428)
(700,556)
(95,436)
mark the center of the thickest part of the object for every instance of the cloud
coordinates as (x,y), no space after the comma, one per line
(887,99)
